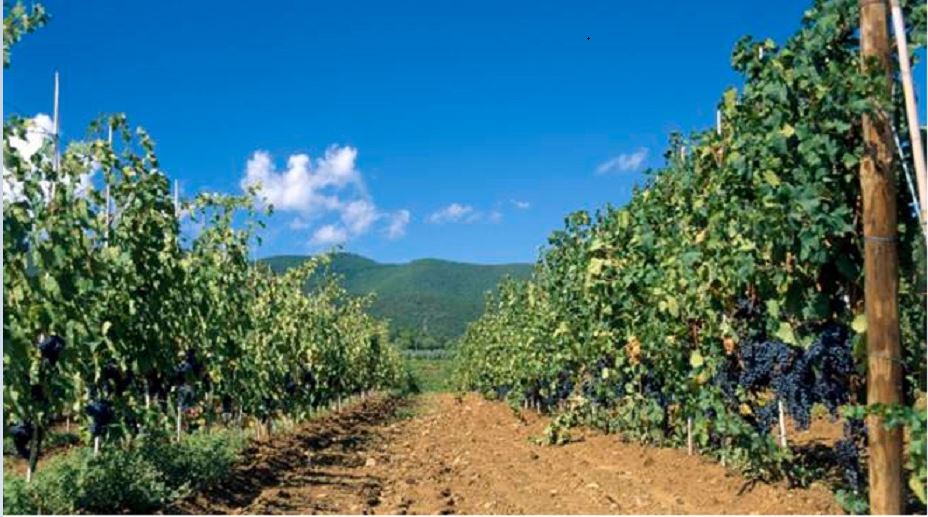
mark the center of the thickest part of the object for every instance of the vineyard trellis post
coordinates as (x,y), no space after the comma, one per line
(884,364)
(918,151)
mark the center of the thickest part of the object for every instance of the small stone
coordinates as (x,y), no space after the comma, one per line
(371,462)
(594,486)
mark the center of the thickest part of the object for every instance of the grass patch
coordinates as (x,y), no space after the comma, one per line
(431,375)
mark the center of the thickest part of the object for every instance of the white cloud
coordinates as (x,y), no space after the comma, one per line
(453,213)
(299,188)
(318,191)
(521,205)
(359,215)
(39,131)
(458,213)
(329,235)
(624,162)
(299,224)
(398,222)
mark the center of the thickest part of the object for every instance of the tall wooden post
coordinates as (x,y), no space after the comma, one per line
(881,281)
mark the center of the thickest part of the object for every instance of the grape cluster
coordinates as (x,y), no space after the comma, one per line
(37,392)
(763,362)
(801,378)
(308,380)
(227,404)
(50,348)
(188,369)
(186,396)
(22,434)
(848,454)
(115,381)
(289,385)
(101,415)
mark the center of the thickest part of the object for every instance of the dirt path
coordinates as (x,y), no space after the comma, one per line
(472,456)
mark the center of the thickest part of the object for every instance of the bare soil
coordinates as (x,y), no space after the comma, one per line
(438,454)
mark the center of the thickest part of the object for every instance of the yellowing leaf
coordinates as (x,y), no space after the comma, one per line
(788,131)
(860,323)
(786,334)
(696,359)
(771,178)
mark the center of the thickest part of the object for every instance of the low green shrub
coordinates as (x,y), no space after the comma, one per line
(139,479)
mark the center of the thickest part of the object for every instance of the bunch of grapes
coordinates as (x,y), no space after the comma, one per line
(114,379)
(764,361)
(832,363)
(848,454)
(227,404)
(22,434)
(308,380)
(101,415)
(502,391)
(801,378)
(186,396)
(50,348)
(289,385)
(564,386)
(189,368)
(37,392)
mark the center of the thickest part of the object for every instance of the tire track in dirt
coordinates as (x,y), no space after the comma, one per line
(472,456)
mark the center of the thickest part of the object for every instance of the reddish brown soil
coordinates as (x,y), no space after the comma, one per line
(471,456)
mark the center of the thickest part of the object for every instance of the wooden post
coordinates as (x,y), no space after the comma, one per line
(689,435)
(179,418)
(718,122)
(56,159)
(56,128)
(881,282)
(782,417)
(176,198)
(905,72)
(96,445)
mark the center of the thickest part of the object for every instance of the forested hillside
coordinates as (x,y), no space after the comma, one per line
(428,301)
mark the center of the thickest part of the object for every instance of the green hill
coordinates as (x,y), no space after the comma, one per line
(428,301)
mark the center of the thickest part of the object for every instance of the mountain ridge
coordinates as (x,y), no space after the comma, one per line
(429,301)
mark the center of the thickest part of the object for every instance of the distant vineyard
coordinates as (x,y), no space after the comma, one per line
(731,284)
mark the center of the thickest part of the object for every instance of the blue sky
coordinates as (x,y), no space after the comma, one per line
(458,130)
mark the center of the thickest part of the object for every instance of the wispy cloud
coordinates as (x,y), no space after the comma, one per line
(521,205)
(453,213)
(329,235)
(398,222)
(625,162)
(465,214)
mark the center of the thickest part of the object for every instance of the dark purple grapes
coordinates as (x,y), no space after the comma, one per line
(101,415)
(51,348)
(186,396)
(22,434)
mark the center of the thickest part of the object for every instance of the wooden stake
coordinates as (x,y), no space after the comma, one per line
(176,198)
(179,419)
(689,435)
(56,125)
(718,122)
(96,445)
(881,282)
(782,423)
(905,71)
